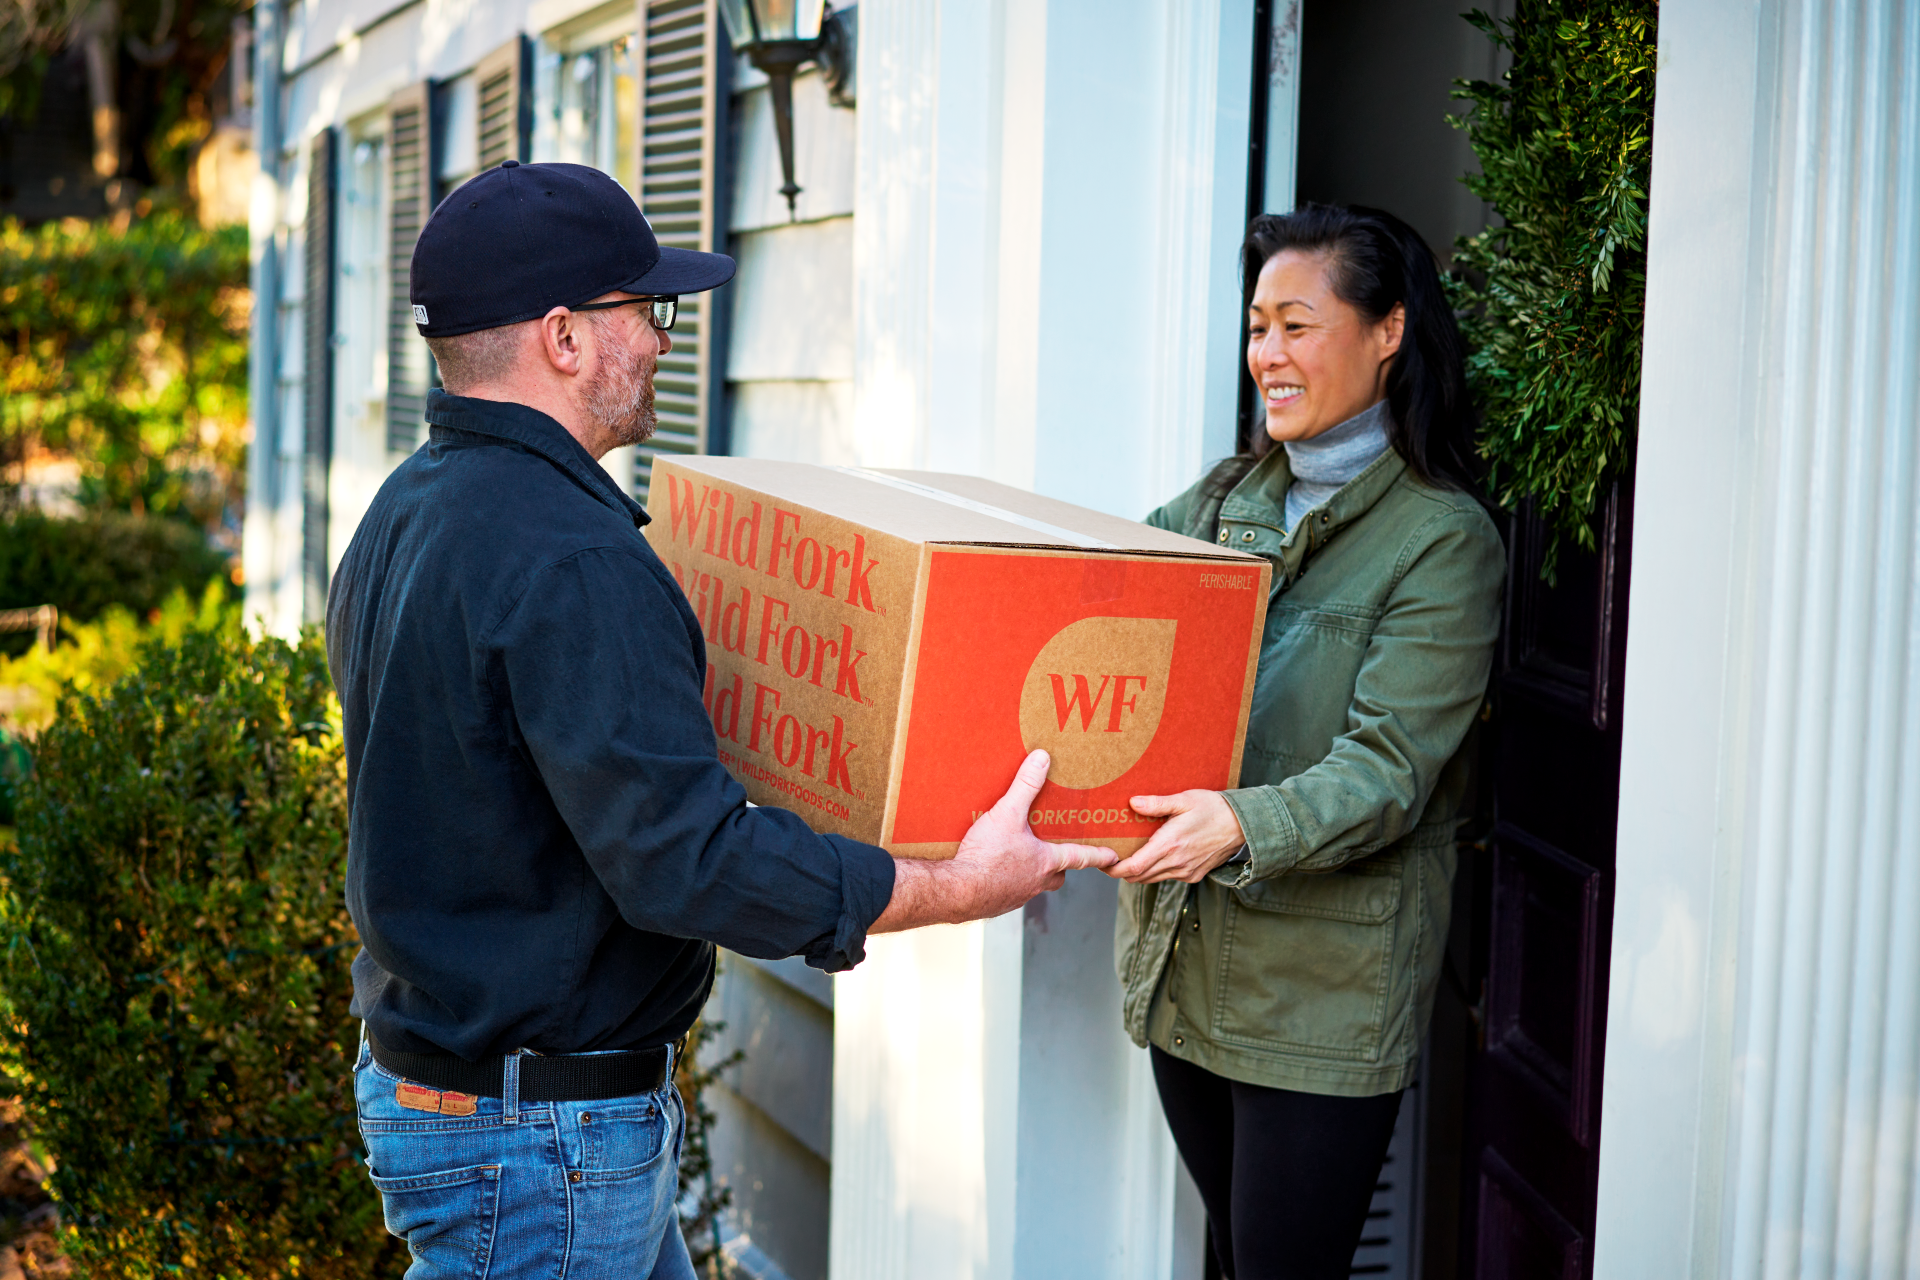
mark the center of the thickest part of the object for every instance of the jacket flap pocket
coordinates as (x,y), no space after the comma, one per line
(1363,895)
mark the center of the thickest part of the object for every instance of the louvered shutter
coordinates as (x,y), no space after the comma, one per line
(322,170)
(410,200)
(681,45)
(505,116)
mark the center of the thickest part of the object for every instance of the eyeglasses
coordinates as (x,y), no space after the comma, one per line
(662,310)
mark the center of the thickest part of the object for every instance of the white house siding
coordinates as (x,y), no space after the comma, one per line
(772,1143)
(1763,1038)
(789,388)
(1048,200)
(790,349)
(325,64)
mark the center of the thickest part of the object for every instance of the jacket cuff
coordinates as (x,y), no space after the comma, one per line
(1273,841)
(866,887)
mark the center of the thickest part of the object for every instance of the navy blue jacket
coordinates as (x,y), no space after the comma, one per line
(543,846)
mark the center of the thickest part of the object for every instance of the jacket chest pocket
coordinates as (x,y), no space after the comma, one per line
(1310,661)
(1307,964)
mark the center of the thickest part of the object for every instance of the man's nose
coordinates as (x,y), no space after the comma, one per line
(665,340)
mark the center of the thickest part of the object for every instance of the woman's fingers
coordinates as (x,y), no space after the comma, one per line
(1199,834)
(1159,806)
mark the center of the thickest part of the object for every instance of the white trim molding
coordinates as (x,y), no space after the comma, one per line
(1763,1041)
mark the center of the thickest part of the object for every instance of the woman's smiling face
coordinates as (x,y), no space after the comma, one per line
(1316,359)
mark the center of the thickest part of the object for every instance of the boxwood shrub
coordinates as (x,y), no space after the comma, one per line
(175,979)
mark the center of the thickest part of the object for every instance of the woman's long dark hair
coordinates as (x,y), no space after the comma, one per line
(1376,261)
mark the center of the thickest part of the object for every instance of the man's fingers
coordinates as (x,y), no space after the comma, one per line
(1027,781)
(1082,857)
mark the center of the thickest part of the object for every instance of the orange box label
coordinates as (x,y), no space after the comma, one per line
(1129,673)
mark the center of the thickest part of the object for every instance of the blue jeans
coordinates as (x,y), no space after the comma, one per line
(558,1190)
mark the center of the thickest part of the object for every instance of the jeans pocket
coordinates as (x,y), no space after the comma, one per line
(625,1136)
(447,1219)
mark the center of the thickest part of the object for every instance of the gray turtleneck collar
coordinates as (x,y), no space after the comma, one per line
(1332,458)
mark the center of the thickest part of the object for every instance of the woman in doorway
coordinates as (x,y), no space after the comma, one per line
(1279,944)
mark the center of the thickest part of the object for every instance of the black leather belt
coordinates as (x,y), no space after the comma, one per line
(565,1077)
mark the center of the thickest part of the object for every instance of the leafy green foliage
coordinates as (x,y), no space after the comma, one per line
(15,764)
(175,978)
(1553,295)
(128,350)
(701,1203)
(83,566)
(91,656)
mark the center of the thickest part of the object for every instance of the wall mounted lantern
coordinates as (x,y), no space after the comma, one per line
(781,36)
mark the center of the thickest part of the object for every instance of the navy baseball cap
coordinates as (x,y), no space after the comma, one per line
(515,242)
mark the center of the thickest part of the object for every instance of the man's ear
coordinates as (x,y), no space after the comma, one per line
(560,340)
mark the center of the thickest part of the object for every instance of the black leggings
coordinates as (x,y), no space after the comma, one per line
(1287,1177)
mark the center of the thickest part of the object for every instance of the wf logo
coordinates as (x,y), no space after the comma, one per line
(1087,705)
(1094,695)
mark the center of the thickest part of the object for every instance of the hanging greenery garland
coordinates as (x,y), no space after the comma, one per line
(1552,296)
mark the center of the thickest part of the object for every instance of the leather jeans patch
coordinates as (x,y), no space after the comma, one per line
(417,1097)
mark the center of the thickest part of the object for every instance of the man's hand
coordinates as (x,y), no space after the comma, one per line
(1200,833)
(1000,865)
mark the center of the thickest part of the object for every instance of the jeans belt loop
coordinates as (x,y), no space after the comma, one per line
(510,1087)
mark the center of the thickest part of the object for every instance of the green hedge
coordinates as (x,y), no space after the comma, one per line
(1554,293)
(84,565)
(175,980)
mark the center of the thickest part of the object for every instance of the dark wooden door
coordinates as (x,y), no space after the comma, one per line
(1544,913)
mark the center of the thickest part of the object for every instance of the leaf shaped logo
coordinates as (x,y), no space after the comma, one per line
(1094,695)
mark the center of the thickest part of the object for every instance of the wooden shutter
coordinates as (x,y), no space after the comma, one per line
(680,48)
(505,116)
(322,170)
(410,200)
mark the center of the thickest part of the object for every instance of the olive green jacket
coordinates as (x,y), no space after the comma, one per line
(1311,964)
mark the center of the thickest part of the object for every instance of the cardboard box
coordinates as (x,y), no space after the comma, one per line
(883,648)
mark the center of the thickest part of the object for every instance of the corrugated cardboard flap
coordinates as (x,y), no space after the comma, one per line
(935,507)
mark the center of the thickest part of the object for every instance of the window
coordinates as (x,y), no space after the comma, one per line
(360,360)
(593,107)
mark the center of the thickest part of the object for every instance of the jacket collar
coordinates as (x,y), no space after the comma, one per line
(1258,504)
(537,433)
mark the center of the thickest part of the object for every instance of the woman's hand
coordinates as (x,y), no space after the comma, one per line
(1200,833)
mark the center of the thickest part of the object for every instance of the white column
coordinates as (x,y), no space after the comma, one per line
(1048,210)
(1763,1043)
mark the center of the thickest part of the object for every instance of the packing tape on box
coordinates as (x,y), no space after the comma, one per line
(1053,531)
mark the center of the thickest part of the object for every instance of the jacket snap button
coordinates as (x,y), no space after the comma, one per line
(1223,535)
(576,1176)
(1247,536)
(1179,1040)
(586,1117)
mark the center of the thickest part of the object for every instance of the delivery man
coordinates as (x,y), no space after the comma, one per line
(543,847)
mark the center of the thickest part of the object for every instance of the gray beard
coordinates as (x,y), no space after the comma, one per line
(619,400)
